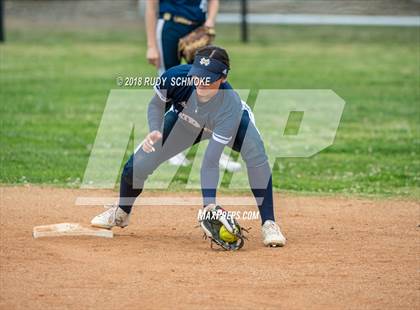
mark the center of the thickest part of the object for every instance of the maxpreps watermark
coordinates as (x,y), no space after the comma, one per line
(125,119)
(139,81)
(237,215)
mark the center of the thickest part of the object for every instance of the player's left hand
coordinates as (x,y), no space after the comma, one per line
(152,56)
(209,23)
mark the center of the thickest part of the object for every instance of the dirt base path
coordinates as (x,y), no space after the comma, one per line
(341,254)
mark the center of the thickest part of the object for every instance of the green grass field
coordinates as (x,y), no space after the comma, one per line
(54,85)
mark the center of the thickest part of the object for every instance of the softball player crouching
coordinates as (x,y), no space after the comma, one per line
(212,111)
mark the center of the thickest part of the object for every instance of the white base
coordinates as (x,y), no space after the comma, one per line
(69,229)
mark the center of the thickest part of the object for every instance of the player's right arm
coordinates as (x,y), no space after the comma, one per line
(165,93)
(155,113)
(156,109)
(151,20)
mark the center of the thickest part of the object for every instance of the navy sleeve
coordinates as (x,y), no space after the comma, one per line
(168,89)
(155,112)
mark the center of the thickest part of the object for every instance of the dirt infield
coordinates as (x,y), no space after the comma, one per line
(341,254)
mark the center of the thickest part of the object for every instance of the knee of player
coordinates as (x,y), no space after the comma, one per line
(142,171)
(135,168)
(133,175)
(209,163)
(254,154)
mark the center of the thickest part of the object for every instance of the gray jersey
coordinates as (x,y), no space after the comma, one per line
(220,116)
(219,119)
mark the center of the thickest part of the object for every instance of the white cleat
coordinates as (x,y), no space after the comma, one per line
(179,160)
(226,163)
(272,235)
(114,216)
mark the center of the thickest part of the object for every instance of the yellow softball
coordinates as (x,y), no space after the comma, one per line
(226,235)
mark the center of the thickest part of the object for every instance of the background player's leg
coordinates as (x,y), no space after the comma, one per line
(251,147)
(159,32)
(169,37)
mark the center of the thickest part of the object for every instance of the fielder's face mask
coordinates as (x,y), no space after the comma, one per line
(205,67)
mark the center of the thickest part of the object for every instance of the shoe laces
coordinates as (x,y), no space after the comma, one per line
(109,211)
(110,206)
(272,227)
